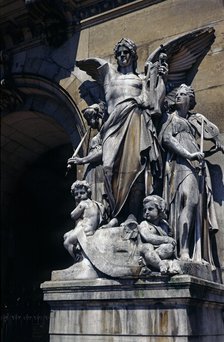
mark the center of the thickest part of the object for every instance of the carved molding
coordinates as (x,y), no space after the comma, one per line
(54,21)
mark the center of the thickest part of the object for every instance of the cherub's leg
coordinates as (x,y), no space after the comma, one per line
(165,250)
(152,258)
(70,242)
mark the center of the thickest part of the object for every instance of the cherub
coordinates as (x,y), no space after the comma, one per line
(156,245)
(88,215)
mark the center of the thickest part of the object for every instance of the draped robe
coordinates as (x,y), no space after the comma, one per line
(177,169)
(129,141)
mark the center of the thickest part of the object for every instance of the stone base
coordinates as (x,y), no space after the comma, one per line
(156,309)
(79,270)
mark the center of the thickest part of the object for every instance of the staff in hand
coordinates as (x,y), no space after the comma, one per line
(70,160)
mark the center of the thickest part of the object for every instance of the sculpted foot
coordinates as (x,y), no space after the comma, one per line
(141,261)
(163,268)
(175,267)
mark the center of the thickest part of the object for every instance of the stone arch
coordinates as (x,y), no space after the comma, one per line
(46,122)
(46,117)
(51,99)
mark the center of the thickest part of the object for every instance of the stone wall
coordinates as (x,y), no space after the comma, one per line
(154,25)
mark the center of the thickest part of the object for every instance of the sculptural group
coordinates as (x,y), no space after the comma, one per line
(145,203)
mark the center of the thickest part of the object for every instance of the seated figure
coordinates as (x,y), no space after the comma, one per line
(156,246)
(88,215)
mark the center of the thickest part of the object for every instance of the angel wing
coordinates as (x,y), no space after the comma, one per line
(90,66)
(184,55)
(92,92)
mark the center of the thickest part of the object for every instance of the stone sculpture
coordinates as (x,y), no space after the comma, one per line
(88,215)
(93,174)
(150,165)
(187,184)
(130,108)
(156,247)
(128,250)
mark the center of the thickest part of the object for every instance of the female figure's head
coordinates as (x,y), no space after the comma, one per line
(185,97)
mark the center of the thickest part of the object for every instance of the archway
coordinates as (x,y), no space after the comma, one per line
(40,204)
(37,139)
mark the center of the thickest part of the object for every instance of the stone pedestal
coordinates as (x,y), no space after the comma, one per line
(156,309)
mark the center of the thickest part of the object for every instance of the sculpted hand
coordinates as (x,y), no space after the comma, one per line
(113,223)
(104,226)
(197,156)
(163,69)
(75,160)
(140,102)
(171,240)
(219,146)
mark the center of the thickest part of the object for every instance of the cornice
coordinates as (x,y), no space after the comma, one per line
(53,22)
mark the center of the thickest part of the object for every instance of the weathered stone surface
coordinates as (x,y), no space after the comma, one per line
(210,102)
(81,270)
(183,308)
(161,27)
(154,22)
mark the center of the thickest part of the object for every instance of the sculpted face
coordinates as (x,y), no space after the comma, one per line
(124,57)
(182,99)
(92,118)
(150,212)
(80,194)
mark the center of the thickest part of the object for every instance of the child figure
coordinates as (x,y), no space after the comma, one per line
(88,215)
(156,246)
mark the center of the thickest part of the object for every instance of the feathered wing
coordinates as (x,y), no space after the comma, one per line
(90,66)
(90,91)
(184,55)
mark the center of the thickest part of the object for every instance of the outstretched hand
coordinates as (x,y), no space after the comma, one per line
(75,160)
